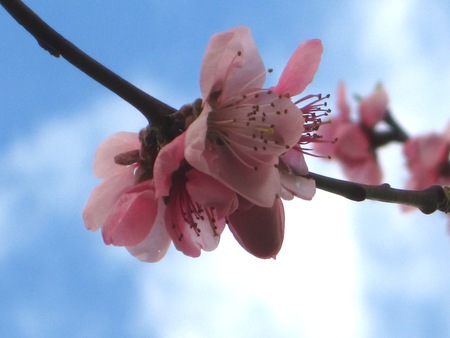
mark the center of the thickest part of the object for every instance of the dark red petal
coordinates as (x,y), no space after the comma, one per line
(259,230)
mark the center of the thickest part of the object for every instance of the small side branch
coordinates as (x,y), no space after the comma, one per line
(428,200)
(154,110)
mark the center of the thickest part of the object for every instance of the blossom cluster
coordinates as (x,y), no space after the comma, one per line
(238,155)
(427,159)
(354,143)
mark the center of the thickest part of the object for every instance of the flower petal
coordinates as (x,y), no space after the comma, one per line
(167,162)
(104,196)
(241,147)
(301,68)
(295,160)
(231,64)
(373,108)
(425,156)
(352,144)
(367,171)
(342,104)
(210,193)
(191,238)
(298,186)
(157,242)
(104,165)
(259,230)
(132,217)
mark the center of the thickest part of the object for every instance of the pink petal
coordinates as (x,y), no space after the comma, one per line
(195,143)
(157,242)
(372,108)
(327,147)
(425,155)
(356,155)
(352,144)
(298,186)
(367,171)
(446,134)
(301,68)
(295,160)
(104,165)
(258,186)
(246,162)
(104,196)
(188,239)
(342,104)
(259,230)
(132,217)
(167,162)
(208,192)
(231,64)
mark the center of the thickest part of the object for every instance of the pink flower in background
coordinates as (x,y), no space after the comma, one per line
(428,160)
(244,129)
(197,205)
(372,108)
(351,142)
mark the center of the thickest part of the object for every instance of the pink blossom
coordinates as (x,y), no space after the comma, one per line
(351,142)
(238,156)
(124,208)
(243,129)
(428,160)
(373,108)
(197,205)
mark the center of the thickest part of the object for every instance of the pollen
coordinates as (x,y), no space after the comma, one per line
(265,130)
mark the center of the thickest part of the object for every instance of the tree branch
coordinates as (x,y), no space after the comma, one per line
(428,200)
(154,110)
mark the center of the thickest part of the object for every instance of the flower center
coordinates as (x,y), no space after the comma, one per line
(189,211)
(249,126)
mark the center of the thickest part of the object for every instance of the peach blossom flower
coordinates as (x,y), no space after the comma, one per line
(428,160)
(350,142)
(231,165)
(243,130)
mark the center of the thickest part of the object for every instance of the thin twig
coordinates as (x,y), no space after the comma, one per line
(400,134)
(154,110)
(428,200)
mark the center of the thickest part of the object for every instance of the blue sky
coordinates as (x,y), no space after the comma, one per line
(346,269)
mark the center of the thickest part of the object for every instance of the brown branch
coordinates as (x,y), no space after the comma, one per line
(154,110)
(428,200)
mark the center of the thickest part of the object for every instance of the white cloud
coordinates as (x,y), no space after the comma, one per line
(406,45)
(228,292)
